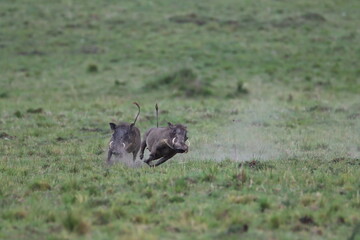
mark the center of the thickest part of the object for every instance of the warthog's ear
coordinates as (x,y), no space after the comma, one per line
(112,126)
(170,125)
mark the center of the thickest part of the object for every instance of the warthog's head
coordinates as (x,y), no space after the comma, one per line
(122,138)
(178,135)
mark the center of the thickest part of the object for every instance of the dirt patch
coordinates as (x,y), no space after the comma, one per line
(319,108)
(40,186)
(54,32)
(91,49)
(4,95)
(249,22)
(241,228)
(182,82)
(340,159)
(35,110)
(192,18)
(61,139)
(256,165)
(307,220)
(115,22)
(92,129)
(354,116)
(31,53)
(92,68)
(315,17)
(299,20)
(4,135)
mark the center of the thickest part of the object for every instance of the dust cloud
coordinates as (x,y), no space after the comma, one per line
(266,131)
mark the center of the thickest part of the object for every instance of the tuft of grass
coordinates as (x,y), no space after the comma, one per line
(74,222)
(18,114)
(264,204)
(15,214)
(40,186)
(92,68)
(4,95)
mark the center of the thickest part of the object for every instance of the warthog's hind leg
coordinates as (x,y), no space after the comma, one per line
(134,156)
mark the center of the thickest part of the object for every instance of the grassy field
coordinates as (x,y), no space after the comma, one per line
(269,91)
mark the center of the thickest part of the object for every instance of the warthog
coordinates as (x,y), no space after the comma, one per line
(164,142)
(125,138)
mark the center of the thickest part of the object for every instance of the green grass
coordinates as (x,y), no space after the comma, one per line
(273,85)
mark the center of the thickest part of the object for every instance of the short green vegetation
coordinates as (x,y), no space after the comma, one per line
(269,91)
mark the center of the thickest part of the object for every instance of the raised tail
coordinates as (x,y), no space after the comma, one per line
(138,112)
(157,115)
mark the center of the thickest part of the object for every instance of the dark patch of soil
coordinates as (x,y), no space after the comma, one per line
(340,110)
(176,199)
(54,33)
(341,220)
(340,159)
(354,116)
(300,227)
(260,124)
(240,90)
(99,202)
(36,110)
(182,82)
(73,25)
(173,229)
(4,95)
(192,18)
(32,53)
(4,135)
(307,220)
(236,229)
(92,68)
(315,17)
(115,22)
(256,165)
(91,129)
(18,114)
(299,20)
(91,49)
(203,20)
(319,108)
(60,139)
(354,161)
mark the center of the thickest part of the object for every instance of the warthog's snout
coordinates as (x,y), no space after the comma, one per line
(118,154)
(182,150)
(179,144)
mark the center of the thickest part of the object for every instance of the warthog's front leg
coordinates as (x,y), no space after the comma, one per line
(163,159)
(143,146)
(109,156)
(151,158)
